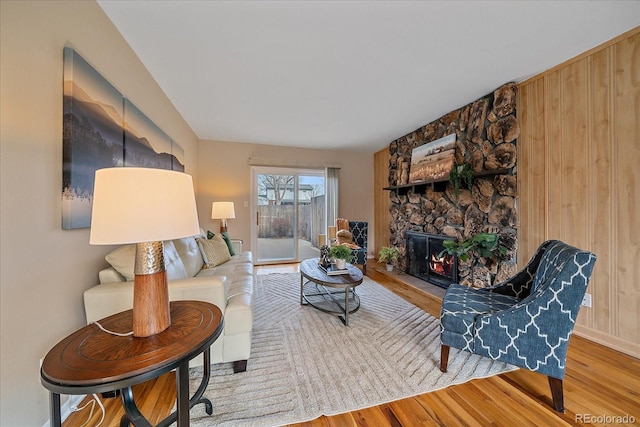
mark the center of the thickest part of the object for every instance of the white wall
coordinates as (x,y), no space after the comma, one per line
(44,269)
(224,174)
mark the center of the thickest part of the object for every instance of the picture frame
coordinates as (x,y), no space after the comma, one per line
(432,162)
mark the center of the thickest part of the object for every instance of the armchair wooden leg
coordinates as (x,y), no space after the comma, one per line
(444,357)
(364,269)
(557,394)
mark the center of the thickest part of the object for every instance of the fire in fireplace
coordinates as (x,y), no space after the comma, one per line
(424,260)
(442,265)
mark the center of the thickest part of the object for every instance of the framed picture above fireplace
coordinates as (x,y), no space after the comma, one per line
(432,162)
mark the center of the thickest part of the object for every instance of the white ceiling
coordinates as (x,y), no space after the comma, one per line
(350,75)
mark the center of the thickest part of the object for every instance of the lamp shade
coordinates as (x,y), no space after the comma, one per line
(222,210)
(134,205)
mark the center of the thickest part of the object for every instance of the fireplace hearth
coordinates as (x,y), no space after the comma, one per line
(424,260)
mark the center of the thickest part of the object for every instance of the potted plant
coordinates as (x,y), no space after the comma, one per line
(389,255)
(342,255)
(460,174)
(485,245)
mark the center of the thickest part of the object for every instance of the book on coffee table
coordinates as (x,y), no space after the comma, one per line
(332,270)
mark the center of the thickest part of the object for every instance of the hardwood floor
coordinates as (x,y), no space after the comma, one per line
(599,382)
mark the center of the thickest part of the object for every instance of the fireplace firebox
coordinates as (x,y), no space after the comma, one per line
(424,260)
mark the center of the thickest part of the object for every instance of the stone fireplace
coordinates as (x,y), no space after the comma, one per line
(425,262)
(486,138)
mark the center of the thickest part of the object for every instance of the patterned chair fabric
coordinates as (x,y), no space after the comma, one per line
(525,321)
(359,229)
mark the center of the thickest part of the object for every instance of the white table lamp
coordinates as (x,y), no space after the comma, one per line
(222,211)
(144,206)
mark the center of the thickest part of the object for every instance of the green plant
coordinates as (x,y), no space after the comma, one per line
(460,174)
(486,245)
(388,254)
(341,252)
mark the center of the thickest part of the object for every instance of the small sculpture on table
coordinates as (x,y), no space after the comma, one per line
(325,257)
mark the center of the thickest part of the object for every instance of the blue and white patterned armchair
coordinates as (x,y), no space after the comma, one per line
(526,320)
(359,229)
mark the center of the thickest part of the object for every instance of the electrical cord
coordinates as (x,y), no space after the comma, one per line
(111,332)
(97,399)
(92,402)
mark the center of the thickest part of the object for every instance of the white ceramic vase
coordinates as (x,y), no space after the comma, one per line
(341,264)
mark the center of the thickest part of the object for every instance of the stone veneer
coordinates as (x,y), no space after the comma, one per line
(487,132)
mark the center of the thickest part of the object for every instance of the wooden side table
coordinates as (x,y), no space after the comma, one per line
(93,361)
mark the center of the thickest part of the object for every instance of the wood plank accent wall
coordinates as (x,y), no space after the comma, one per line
(382,201)
(579,178)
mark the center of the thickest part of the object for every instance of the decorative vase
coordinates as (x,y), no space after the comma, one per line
(389,267)
(341,264)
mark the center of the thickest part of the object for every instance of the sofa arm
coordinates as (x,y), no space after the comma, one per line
(110,298)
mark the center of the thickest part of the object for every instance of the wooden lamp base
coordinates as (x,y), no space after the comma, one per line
(150,304)
(150,291)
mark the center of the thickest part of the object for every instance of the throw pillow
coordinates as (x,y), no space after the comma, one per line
(226,238)
(123,260)
(214,251)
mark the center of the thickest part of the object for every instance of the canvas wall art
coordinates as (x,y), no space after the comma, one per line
(145,144)
(432,161)
(92,136)
(177,157)
(102,129)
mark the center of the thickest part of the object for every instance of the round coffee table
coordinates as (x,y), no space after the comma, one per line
(333,294)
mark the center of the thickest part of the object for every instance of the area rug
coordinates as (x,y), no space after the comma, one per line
(305,363)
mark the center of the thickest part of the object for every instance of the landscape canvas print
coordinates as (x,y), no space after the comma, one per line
(145,144)
(92,136)
(102,129)
(433,161)
(177,157)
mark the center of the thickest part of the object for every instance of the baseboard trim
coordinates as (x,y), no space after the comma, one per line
(65,408)
(607,340)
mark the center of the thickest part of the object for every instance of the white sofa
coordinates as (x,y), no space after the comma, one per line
(229,286)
